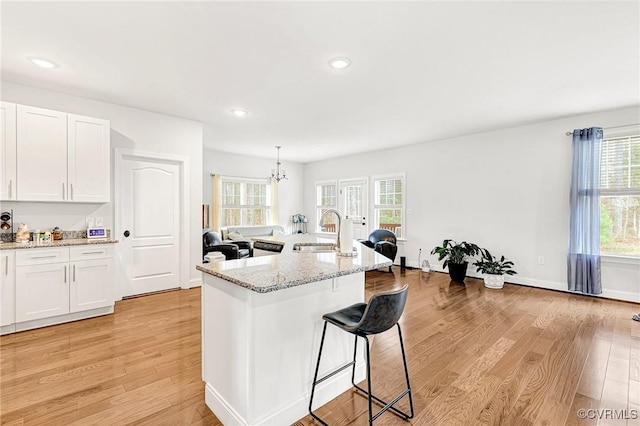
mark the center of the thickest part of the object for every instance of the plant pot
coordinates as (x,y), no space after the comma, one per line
(494,281)
(458,271)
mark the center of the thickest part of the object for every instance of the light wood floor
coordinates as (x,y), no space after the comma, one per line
(517,356)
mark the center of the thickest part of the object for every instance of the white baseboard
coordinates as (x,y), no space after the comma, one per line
(551,285)
(621,295)
(221,408)
(558,286)
(7,329)
(193,282)
(292,411)
(43,322)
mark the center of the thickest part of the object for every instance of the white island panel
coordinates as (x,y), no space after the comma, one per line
(260,349)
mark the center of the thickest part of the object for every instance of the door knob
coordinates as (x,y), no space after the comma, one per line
(126,233)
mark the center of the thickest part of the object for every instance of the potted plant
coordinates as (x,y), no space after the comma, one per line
(455,256)
(494,269)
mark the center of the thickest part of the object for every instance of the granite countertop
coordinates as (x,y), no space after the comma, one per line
(56,243)
(289,269)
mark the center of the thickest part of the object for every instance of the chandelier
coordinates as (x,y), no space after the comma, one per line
(275,173)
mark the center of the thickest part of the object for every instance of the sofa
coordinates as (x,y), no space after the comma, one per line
(246,233)
(211,242)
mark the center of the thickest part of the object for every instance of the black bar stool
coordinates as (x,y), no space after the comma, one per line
(363,319)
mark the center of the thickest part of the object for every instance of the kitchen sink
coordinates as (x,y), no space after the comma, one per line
(314,248)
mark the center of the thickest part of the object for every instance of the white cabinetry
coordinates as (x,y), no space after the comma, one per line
(7,287)
(51,282)
(7,151)
(42,283)
(92,273)
(61,157)
(89,155)
(42,154)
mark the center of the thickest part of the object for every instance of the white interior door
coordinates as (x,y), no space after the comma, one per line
(353,204)
(149,204)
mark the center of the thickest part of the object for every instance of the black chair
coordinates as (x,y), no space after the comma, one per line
(363,319)
(231,249)
(384,242)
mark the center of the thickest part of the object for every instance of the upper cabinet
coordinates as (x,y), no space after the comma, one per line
(42,154)
(88,156)
(7,151)
(57,157)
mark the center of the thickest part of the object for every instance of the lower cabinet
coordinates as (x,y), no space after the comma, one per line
(41,291)
(91,284)
(7,287)
(66,280)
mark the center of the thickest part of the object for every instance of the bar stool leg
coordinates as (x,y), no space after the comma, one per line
(369,382)
(388,405)
(406,371)
(353,371)
(315,376)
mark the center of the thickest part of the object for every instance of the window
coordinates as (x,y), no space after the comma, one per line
(245,202)
(353,196)
(620,196)
(326,198)
(388,204)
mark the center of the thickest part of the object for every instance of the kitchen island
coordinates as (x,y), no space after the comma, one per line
(261,329)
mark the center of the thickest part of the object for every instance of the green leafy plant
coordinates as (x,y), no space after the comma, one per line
(492,265)
(453,252)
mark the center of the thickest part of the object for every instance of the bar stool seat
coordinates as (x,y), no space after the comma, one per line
(363,319)
(348,317)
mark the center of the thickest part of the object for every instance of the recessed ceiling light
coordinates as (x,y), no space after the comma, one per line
(42,63)
(239,112)
(339,63)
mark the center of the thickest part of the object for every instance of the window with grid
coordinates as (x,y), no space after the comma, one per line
(388,205)
(620,196)
(326,198)
(245,202)
(353,201)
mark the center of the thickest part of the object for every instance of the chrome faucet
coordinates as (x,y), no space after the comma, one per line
(339,223)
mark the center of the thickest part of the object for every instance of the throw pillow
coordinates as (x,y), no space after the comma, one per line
(236,236)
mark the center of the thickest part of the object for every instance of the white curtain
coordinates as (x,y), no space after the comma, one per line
(216,202)
(275,212)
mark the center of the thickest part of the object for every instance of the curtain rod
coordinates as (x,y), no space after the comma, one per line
(612,127)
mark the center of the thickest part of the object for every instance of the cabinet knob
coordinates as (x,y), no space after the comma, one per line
(126,233)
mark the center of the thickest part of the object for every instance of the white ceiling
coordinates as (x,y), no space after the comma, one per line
(421,71)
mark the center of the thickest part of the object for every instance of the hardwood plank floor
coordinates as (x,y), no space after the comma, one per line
(517,356)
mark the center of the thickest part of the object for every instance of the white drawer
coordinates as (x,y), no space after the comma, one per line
(41,256)
(92,251)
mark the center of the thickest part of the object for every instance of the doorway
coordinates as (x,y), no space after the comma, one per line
(150,213)
(353,204)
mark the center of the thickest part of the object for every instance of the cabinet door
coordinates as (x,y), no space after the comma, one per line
(42,291)
(92,284)
(7,287)
(42,154)
(7,151)
(89,156)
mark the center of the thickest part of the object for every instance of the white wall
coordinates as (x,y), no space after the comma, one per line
(505,190)
(130,129)
(290,191)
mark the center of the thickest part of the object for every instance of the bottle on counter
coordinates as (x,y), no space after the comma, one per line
(56,233)
(22,236)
